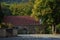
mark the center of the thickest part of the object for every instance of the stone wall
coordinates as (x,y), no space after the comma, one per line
(15,32)
(2,33)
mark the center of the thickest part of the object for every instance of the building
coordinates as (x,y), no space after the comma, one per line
(25,24)
(22,25)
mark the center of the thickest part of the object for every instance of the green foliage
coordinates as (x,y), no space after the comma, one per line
(47,10)
(21,9)
(37,29)
(48,30)
(31,1)
(58,28)
(3,25)
(22,31)
(6,25)
(5,9)
(41,8)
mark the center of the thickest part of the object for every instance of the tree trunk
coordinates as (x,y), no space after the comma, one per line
(53,29)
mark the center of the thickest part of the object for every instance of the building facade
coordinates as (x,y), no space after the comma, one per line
(24,24)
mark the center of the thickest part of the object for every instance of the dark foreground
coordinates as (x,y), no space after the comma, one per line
(29,38)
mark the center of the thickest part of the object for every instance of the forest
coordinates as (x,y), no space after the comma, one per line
(48,11)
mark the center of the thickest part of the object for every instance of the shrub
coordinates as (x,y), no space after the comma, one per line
(58,28)
(48,30)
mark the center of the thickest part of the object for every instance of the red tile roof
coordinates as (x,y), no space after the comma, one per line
(20,20)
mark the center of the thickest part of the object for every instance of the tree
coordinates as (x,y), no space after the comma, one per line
(21,9)
(1,14)
(5,9)
(41,8)
(31,1)
(47,11)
